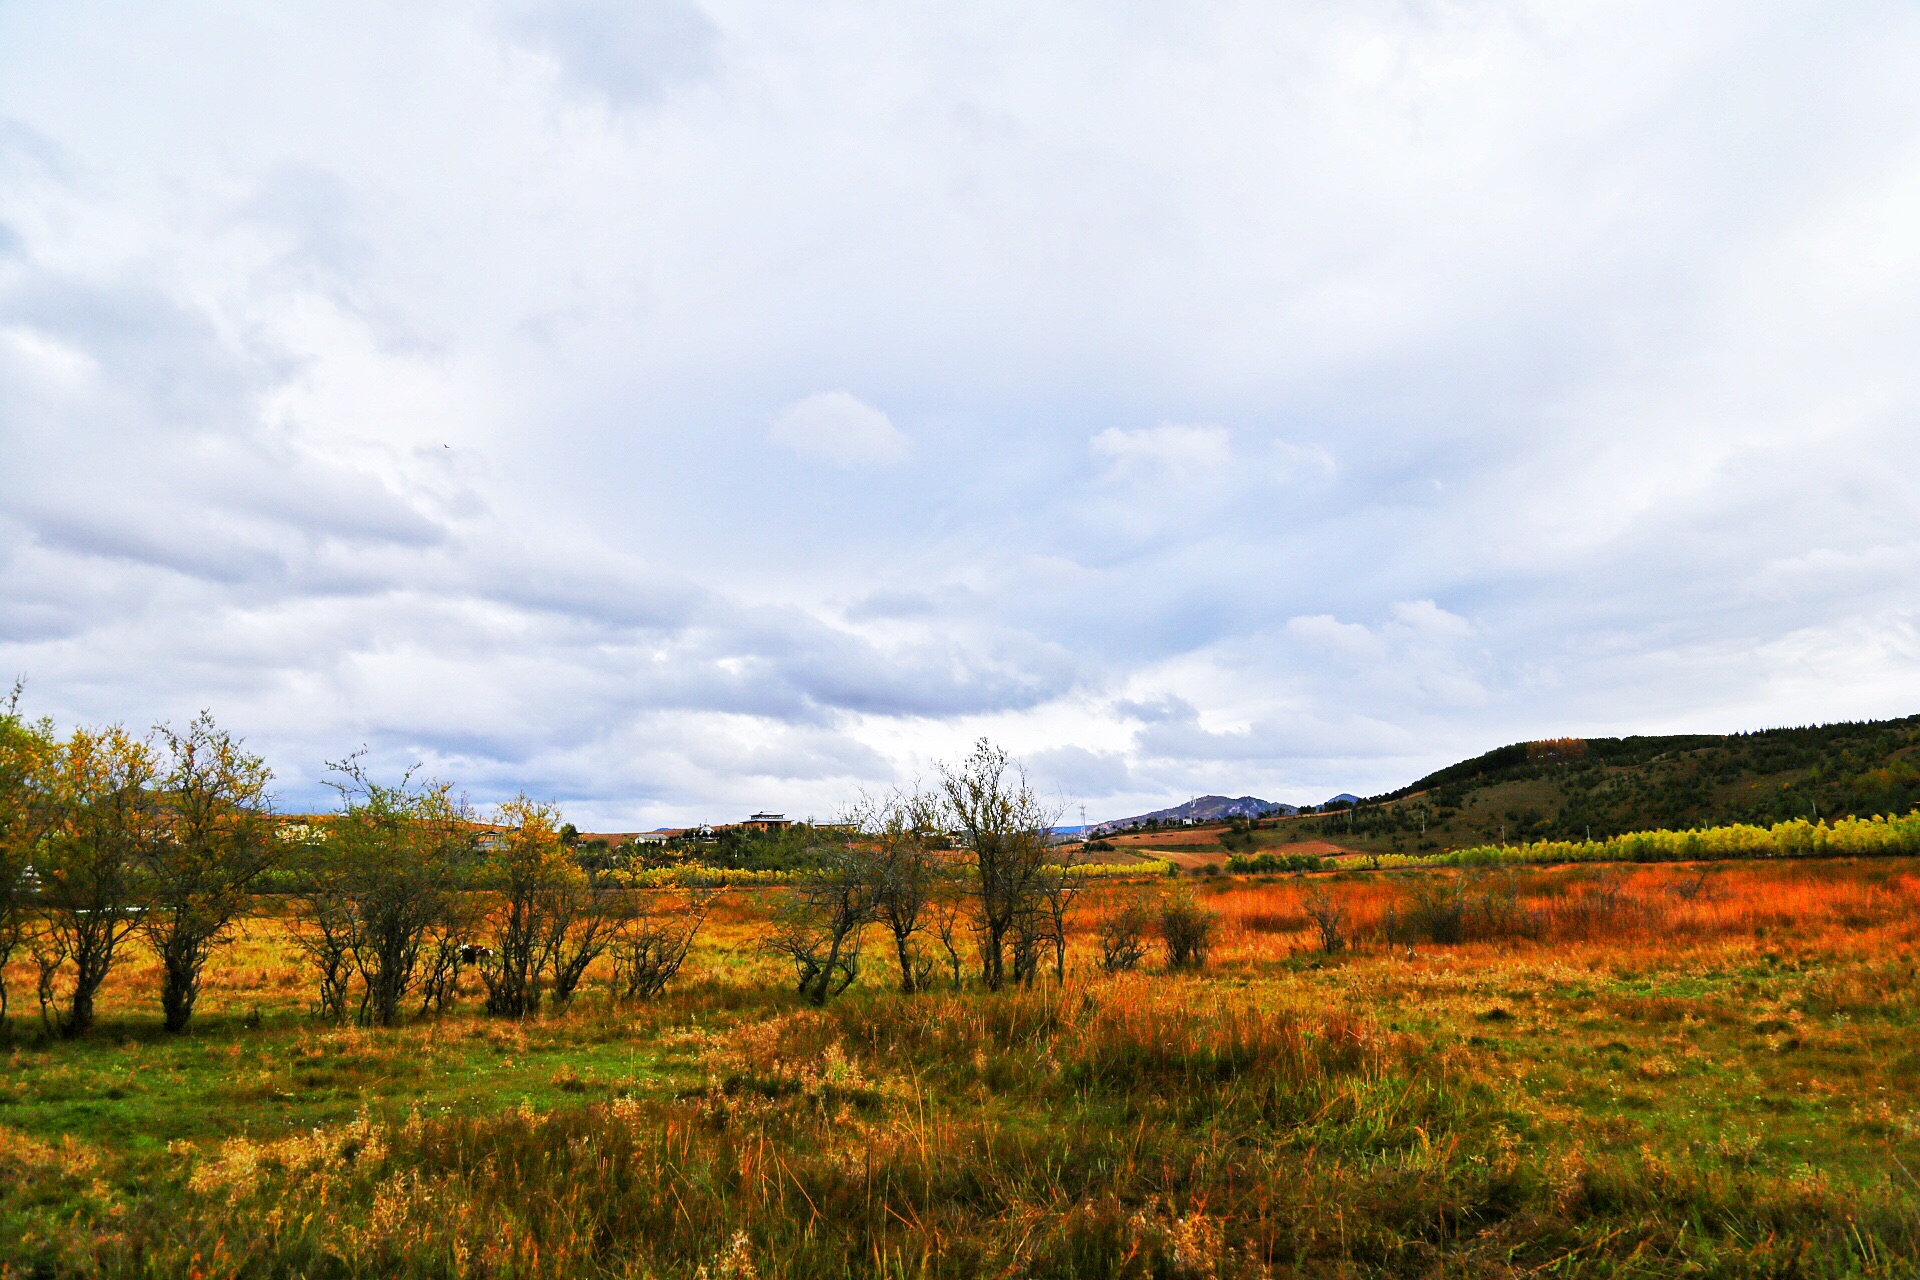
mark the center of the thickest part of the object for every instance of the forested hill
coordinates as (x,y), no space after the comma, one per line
(1569,787)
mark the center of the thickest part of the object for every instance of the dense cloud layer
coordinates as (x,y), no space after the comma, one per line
(681,410)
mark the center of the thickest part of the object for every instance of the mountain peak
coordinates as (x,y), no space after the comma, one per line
(1199,809)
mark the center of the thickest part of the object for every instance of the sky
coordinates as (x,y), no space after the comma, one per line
(681,409)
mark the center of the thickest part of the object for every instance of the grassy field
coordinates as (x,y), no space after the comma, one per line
(1662,1070)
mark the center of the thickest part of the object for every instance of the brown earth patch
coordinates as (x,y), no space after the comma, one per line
(1177,838)
(1189,861)
(1320,848)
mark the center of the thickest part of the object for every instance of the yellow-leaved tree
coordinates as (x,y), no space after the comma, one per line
(25,748)
(383,881)
(547,918)
(217,834)
(101,824)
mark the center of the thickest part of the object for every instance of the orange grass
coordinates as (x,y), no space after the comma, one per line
(1867,905)
(1669,1069)
(1860,904)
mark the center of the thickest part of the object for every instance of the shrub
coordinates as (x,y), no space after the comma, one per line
(1123,936)
(1329,916)
(1268,863)
(1186,928)
(650,946)
(1437,911)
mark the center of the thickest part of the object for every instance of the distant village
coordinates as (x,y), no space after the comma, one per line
(1198,811)
(763,823)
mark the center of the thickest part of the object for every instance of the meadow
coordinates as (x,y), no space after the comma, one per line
(1672,1069)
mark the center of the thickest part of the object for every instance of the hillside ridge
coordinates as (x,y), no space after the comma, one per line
(1578,788)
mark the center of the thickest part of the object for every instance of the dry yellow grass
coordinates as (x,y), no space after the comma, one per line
(1658,1070)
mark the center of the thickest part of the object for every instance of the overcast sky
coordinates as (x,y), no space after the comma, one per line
(677,410)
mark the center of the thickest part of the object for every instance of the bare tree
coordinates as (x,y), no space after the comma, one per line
(49,957)
(326,924)
(1697,887)
(948,913)
(1023,948)
(1122,933)
(651,943)
(448,948)
(581,919)
(1059,892)
(897,840)
(443,957)
(89,859)
(217,835)
(1329,916)
(820,927)
(1039,932)
(1002,824)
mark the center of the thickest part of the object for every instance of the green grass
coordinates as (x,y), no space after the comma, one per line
(133,1090)
(1731,1106)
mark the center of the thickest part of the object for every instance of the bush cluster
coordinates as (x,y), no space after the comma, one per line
(1874,837)
(1268,863)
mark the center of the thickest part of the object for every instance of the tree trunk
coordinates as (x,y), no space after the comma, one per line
(822,985)
(904,953)
(79,1017)
(92,958)
(180,987)
(992,961)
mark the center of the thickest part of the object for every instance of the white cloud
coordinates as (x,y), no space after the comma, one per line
(1603,312)
(1170,452)
(630,51)
(1296,463)
(840,428)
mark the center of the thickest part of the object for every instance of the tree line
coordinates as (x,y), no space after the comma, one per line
(108,840)
(956,875)
(105,836)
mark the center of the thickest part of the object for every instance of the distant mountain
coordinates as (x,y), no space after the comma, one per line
(1205,809)
(1345,797)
